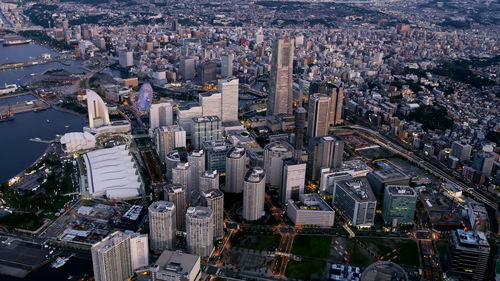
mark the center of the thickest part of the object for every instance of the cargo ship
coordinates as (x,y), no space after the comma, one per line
(15,40)
(6,117)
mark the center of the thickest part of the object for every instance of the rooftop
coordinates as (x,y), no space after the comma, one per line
(359,188)
(213,193)
(199,212)
(311,201)
(210,174)
(110,241)
(472,238)
(401,190)
(178,262)
(236,152)
(255,175)
(162,206)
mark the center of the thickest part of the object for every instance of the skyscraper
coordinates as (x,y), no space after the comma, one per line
(210,104)
(214,199)
(226,69)
(126,58)
(139,250)
(254,194)
(185,116)
(200,231)
(111,258)
(216,154)
(281,94)
(236,161)
(355,200)
(176,194)
(167,138)
(97,110)
(162,225)
(186,68)
(461,151)
(196,160)
(209,180)
(181,174)
(324,152)
(229,89)
(318,115)
(292,184)
(205,128)
(207,72)
(300,121)
(274,154)
(336,93)
(160,114)
(468,255)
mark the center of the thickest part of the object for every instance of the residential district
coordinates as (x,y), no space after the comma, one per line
(260,140)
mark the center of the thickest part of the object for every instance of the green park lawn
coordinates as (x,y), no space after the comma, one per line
(312,246)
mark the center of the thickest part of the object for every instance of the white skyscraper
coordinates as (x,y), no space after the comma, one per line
(209,180)
(139,250)
(292,184)
(254,194)
(181,174)
(227,65)
(229,90)
(97,110)
(111,258)
(200,231)
(167,138)
(162,225)
(196,160)
(274,154)
(281,80)
(185,116)
(214,199)
(126,58)
(210,104)
(236,161)
(176,194)
(160,114)
(259,37)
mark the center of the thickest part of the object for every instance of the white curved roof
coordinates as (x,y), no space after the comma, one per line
(76,141)
(112,172)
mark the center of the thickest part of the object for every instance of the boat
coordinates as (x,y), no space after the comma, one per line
(8,89)
(67,126)
(60,261)
(48,121)
(7,116)
(15,40)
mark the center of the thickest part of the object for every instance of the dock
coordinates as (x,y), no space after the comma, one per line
(35,105)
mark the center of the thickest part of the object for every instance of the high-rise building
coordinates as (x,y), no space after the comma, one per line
(399,204)
(214,199)
(172,158)
(468,255)
(174,265)
(235,169)
(181,174)
(126,58)
(318,115)
(209,180)
(355,200)
(97,110)
(483,162)
(216,154)
(254,190)
(300,121)
(461,151)
(336,93)
(111,258)
(328,179)
(310,209)
(379,179)
(196,160)
(259,36)
(292,184)
(186,68)
(185,115)
(162,225)
(226,69)
(281,93)
(200,231)
(210,104)
(139,250)
(229,99)
(324,152)
(167,138)
(274,154)
(160,114)
(176,194)
(206,128)
(207,72)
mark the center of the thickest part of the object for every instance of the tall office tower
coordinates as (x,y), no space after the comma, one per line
(300,121)
(236,163)
(328,179)
(185,115)
(318,118)
(336,93)
(162,225)
(226,69)
(379,179)
(229,99)
(318,86)
(483,162)
(355,200)
(254,190)
(214,199)
(176,194)
(126,58)
(97,110)
(171,160)
(181,174)
(210,104)
(196,160)
(160,114)
(324,152)
(399,204)
(209,180)
(259,36)
(274,154)
(205,128)
(216,154)
(207,72)
(139,250)
(461,151)
(111,258)
(292,184)
(167,138)
(468,255)
(200,231)
(281,93)
(186,68)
